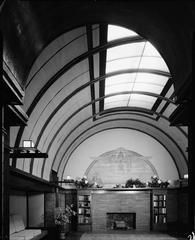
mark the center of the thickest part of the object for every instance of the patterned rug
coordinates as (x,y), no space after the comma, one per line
(123,236)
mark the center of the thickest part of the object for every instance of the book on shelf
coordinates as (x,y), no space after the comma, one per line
(155,204)
(155,218)
(81,198)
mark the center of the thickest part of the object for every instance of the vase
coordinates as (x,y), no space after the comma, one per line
(61,232)
(62,235)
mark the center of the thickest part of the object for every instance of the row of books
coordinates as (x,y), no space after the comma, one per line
(160,219)
(84,204)
(84,211)
(83,219)
(159,210)
(159,204)
(159,197)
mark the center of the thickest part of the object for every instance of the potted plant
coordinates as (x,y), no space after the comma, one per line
(83,183)
(156,182)
(134,183)
(62,219)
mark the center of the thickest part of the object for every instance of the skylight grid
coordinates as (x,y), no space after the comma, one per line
(125,82)
(134,56)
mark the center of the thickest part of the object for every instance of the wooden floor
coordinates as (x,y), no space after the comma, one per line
(74,236)
(136,235)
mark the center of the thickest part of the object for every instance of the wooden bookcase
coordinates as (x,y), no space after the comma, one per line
(159,210)
(84,210)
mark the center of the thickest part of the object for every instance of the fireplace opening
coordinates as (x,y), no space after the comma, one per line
(121,220)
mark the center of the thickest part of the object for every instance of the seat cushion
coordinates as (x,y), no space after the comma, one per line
(18,222)
(16,238)
(23,234)
(12,228)
(35,231)
(27,233)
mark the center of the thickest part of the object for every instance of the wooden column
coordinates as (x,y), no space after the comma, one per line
(191,160)
(4,207)
(191,181)
(4,176)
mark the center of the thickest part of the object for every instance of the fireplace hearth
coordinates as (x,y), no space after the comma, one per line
(121,220)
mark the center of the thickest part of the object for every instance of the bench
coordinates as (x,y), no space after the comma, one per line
(19,232)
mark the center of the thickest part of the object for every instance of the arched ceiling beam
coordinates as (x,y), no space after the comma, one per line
(101,78)
(91,66)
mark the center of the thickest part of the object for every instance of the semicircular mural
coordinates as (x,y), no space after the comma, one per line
(119,165)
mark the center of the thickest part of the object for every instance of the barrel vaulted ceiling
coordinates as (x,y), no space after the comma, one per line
(85,75)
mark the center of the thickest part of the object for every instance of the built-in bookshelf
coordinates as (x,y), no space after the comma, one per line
(84,210)
(159,210)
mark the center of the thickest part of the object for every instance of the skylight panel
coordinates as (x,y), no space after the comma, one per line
(122,64)
(147,88)
(150,50)
(151,78)
(116,88)
(121,97)
(143,101)
(125,50)
(119,83)
(116,32)
(120,78)
(115,104)
(156,63)
(116,101)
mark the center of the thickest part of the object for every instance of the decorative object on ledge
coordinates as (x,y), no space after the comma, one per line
(83,182)
(69,179)
(119,186)
(156,182)
(63,218)
(68,183)
(27,151)
(134,183)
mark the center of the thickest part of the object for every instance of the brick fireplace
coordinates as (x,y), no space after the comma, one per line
(105,202)
(121,220)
